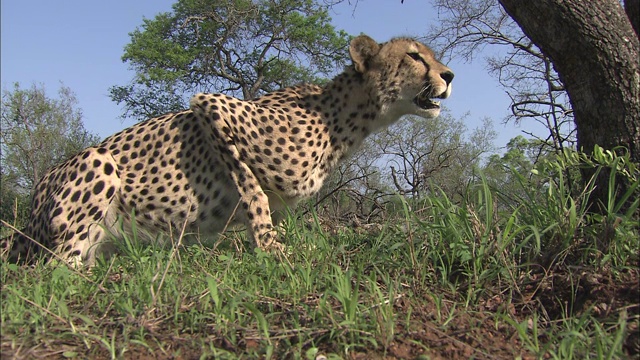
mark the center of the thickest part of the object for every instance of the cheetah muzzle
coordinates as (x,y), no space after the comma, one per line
(226,160)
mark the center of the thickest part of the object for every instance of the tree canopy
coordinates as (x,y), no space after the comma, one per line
(38,132)
(240,47)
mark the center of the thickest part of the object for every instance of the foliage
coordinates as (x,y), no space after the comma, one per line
(505,171)
(38,132)
(416,153)
(14,207)
(240,47)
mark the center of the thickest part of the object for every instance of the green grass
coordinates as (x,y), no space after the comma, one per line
(486,278)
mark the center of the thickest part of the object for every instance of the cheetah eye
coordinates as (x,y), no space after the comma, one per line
(415,56)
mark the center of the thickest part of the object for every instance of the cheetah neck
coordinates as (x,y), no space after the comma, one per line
(351,111)
(332,121)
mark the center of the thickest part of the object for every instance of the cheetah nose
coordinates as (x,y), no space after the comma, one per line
(447,76)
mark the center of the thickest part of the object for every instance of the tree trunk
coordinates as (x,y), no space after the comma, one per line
(595,51)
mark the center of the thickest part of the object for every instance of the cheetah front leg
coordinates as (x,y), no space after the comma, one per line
(258,219)
(254,203)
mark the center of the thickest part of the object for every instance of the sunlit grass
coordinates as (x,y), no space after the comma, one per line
(446,271)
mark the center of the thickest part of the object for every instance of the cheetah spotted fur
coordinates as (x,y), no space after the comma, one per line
(226,160)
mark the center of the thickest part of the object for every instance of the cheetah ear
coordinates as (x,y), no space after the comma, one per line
(362,49)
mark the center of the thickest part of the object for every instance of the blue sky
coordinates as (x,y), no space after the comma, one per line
(80,44)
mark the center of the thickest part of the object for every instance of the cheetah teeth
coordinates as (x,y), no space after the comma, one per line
(426,103)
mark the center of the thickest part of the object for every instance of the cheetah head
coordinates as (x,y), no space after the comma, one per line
(405,74)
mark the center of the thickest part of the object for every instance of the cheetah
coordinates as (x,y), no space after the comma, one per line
(226,160)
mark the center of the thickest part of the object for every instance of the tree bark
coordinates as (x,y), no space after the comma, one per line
(595,50)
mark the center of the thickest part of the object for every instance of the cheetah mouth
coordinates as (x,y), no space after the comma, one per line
(426,103)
